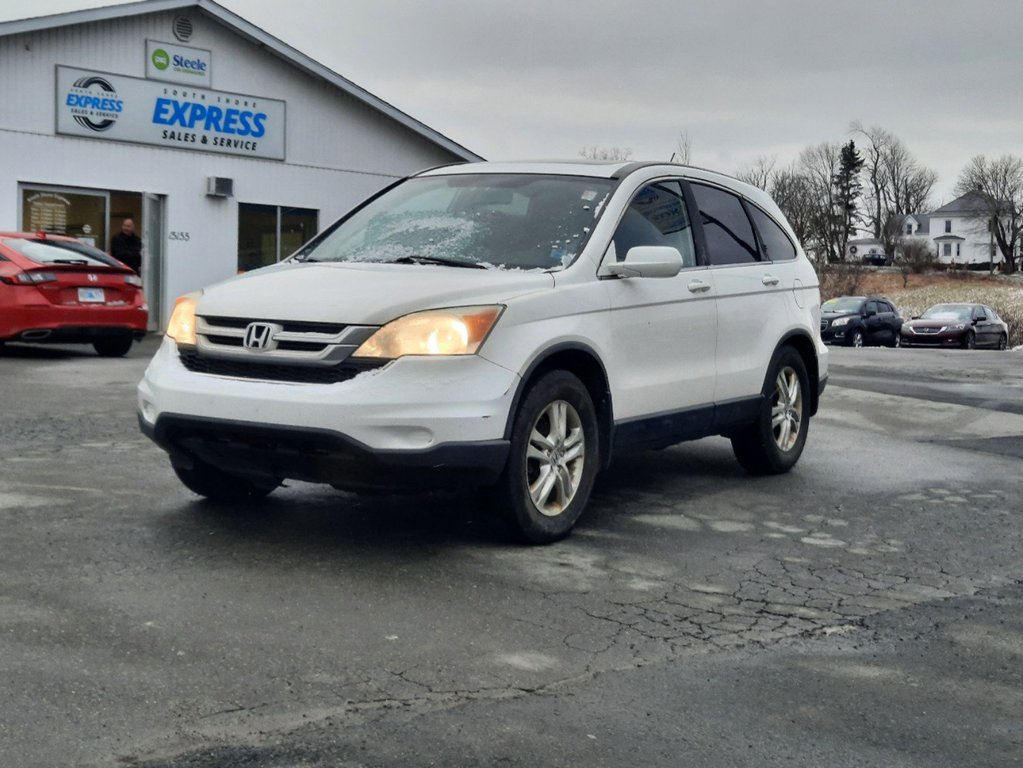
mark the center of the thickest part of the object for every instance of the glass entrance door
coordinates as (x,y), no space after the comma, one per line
(152,258)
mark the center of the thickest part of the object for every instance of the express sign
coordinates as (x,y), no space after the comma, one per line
(119,108)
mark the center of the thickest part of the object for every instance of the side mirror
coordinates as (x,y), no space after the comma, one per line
(648,261)
(870,313)
(980,319)
(915,317)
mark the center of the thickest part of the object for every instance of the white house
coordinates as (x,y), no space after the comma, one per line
(227,146)
(957,233)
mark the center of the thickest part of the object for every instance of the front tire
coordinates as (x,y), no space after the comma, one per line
(224,487)
(775,442)
(553,459)
(856,340)
(970,340)
(1003,342)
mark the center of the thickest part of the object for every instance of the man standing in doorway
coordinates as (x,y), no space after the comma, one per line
(126,246)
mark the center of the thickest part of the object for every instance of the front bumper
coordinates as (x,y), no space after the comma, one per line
(945,339)
(416,422)
(836,334)
(323,456)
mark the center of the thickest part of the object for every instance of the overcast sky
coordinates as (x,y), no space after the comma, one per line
(543,78)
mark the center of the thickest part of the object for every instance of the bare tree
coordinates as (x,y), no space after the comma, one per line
(760,173)
(605,153)
(683,149)
(819,165)
(793,192)
(998,185)
(896,184)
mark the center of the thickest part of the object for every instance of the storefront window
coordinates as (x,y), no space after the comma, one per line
(62,212)
(269,233)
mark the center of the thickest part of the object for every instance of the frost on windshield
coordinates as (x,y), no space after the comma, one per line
(503,221)
(390,237)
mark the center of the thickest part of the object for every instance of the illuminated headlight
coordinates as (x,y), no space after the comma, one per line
(955,327)
(840,321)
(181,327)
(457,331)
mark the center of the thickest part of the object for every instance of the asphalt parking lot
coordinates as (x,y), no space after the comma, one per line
(865,610)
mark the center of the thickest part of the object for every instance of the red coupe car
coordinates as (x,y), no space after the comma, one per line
(58,290)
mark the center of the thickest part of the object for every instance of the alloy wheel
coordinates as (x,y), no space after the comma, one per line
(555,456)
(786,409)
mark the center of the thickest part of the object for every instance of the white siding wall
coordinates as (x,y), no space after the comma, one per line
(975,246)
(338,149)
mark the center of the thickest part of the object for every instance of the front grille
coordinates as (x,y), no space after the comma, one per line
(288,326)
(926,330)
(295,374)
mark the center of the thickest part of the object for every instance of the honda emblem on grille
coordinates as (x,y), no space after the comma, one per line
(259,337)
(93,278)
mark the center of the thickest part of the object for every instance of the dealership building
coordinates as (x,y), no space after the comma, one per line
(227,147)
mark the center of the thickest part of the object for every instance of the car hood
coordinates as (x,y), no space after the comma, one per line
(933,323)
(362,294)
(831,315)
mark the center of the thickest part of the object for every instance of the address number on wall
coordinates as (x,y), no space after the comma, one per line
(183,236)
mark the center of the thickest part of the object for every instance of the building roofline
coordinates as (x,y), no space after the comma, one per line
(253,33)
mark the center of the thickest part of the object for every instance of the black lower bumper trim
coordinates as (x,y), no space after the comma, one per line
(77,334)
(324,456)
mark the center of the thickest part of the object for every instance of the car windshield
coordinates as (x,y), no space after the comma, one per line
(510,221)
(844,304)
(948,312)
(60,252)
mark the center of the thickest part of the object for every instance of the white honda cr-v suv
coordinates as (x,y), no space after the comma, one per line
(514,325)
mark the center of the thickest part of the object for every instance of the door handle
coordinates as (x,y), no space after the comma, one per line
(698,286)
(769,280)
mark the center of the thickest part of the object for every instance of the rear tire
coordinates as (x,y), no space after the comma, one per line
(552,461)
(113,347)
(896,341)
(773,444)
(217,485)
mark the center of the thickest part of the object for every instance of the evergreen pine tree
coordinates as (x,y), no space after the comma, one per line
(847,188)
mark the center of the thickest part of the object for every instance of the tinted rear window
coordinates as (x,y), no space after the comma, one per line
(60,252)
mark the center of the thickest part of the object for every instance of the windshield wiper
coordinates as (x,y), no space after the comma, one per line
(417,259)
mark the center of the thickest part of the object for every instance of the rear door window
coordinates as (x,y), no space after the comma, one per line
(726,227)
(774,241)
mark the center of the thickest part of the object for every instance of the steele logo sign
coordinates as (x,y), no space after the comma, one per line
(94,104)
(175,63)
(160,59)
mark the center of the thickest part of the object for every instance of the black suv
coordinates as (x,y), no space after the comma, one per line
(860,320)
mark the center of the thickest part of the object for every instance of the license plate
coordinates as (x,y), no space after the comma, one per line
(91,296)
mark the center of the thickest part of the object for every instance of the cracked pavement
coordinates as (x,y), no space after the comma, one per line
(840,615)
